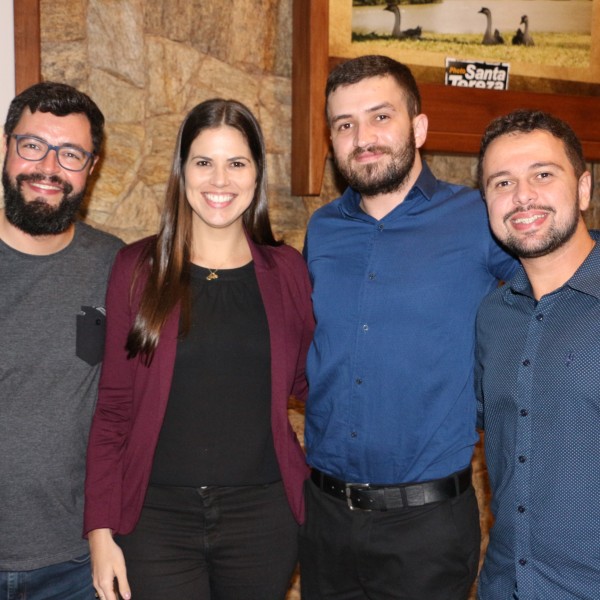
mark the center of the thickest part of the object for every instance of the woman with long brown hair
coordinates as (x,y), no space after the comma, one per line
(194,473)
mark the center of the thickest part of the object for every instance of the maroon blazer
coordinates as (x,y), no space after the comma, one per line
(132,397)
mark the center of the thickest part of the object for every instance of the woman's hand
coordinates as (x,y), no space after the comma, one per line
(107,563)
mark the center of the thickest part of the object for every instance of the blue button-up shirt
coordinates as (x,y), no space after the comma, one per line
(391,396)
(538,381)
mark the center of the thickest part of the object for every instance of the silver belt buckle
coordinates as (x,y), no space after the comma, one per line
(349,488)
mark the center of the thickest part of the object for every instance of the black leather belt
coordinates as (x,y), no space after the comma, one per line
(365,496)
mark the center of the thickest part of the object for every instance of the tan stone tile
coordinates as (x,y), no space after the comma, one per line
(62,20)
(116,38)
(119,100)
(118,172)
(173,67)
(66,62)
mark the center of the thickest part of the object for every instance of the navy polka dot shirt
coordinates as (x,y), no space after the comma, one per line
(538,386)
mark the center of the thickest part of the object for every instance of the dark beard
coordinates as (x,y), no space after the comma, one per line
(368,181)
(38,217)
(555,239)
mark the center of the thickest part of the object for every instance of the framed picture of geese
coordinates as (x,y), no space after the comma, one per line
(545,40)
(553,67)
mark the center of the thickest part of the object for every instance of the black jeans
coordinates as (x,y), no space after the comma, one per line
(213,543)
(428,552)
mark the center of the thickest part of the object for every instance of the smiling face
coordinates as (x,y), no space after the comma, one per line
(41,197)
(533,196)
(220,178)
(374,139)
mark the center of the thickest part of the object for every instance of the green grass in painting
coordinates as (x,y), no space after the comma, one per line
(554,49)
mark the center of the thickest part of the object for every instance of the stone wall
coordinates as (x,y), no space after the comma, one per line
(147,62)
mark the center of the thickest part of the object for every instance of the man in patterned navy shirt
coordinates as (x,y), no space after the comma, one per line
(538,366)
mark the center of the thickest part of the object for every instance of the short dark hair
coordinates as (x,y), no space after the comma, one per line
(61,100)
(374,65)
(527,121)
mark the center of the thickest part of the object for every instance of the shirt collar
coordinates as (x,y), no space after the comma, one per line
(585,280)
(425,187)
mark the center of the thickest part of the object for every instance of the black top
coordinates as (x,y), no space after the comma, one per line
(217,426)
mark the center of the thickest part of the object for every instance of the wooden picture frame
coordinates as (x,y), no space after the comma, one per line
(27,43)
(457,116)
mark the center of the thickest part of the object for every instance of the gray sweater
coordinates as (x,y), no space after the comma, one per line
(51,341)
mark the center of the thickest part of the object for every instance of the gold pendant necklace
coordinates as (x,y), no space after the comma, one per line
(212,273)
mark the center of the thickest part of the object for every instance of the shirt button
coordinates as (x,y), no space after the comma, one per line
(521,509)
(526,362)
(365,327)
(539,317)
(522,459)
(523,412)
(358,381)
(371,276)
(353,434)
(522,562)
(380,226)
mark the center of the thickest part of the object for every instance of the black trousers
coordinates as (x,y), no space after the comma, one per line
(428,552)
(213,543)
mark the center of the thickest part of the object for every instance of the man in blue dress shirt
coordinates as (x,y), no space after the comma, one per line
(399,264)
(538,366)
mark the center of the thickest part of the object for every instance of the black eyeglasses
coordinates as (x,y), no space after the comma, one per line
(71,158)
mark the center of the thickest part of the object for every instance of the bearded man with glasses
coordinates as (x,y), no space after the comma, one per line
(54,271)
